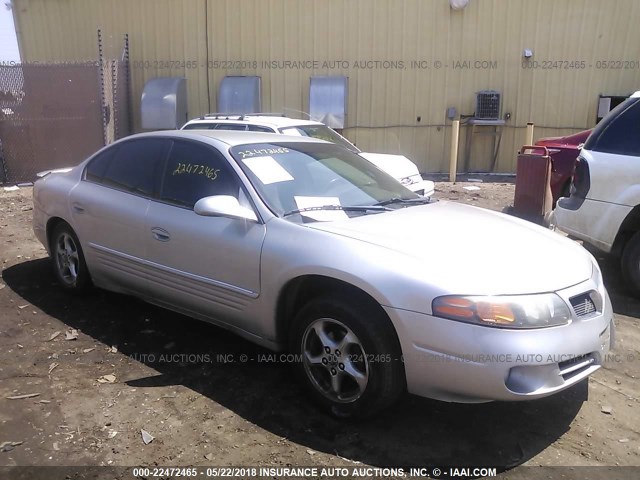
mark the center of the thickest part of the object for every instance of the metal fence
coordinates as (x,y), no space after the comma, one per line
(55,115)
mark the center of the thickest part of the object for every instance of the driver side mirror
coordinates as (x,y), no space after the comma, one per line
(223,206)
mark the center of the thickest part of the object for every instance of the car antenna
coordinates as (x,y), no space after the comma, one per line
(298,111)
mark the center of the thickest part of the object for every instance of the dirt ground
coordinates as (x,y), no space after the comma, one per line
(137,367)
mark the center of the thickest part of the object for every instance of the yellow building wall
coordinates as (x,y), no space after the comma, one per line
(582,48)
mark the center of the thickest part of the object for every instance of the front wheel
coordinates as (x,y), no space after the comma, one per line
(350,356)
(630,264)
(69,265)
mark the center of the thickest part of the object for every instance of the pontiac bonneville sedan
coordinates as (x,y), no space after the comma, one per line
(298,244)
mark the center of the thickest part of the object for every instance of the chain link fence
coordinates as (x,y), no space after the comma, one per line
(55,115)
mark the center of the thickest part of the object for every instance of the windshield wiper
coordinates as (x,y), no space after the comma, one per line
(348,208)
(406,201)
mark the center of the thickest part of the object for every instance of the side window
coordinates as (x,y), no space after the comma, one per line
(135,166)
(200,126)
(258,128)
(194,171)
(98,166)
(622,135)
(231,126)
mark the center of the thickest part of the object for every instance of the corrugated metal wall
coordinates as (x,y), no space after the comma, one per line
(572,40)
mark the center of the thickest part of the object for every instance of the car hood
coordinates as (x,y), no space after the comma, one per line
(567,141)
(469,250)
(398,166)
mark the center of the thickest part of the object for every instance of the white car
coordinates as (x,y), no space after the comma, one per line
(398,166)
(604,207)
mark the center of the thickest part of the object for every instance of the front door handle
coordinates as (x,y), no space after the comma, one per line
(160,234)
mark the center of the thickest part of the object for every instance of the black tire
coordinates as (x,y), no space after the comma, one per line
(369,371)
(630,264)
(69,265)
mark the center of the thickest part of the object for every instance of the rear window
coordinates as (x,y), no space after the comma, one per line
(135,166)
(132,166)
(619,131)
(97,166)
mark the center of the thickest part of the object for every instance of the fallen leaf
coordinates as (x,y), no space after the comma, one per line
(20,346)
(107,379)
(112,433)
(53,336)
(311,452)
(20,397)
(52,367)
(8,446)
(147,438)
(71,334)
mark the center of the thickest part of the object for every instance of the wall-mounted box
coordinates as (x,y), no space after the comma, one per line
(239,95)
(164,103)
(328,100)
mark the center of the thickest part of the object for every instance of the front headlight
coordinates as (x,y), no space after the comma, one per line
(509,311)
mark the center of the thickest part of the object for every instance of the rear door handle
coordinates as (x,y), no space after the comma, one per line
(160,234)
(77,208)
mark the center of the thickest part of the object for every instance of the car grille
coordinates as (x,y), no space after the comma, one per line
(575,366)
(584,304)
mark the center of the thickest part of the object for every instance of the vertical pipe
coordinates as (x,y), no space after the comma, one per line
(453,161)
(529,138)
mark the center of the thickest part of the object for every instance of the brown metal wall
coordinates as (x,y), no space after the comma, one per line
(53,120)
(384,103)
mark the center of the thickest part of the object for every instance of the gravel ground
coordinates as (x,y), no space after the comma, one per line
(99,370)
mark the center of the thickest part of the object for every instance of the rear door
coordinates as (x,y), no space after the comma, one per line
(109,207)
(613,156)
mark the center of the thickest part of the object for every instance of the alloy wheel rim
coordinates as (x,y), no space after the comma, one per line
(67,259)
(335,360)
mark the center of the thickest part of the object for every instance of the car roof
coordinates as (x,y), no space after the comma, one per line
(275,121)
(229,137)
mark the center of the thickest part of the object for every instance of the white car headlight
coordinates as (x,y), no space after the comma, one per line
(510,311)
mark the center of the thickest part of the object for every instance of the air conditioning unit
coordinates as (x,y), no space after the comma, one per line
(488,105)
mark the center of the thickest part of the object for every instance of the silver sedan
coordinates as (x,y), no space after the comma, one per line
(299,244)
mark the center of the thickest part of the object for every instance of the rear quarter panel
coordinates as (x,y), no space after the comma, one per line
(51,200)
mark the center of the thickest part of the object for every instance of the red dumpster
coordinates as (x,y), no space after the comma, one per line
(533,199)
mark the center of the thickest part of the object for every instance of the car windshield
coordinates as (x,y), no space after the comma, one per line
(322,132)
(319,181)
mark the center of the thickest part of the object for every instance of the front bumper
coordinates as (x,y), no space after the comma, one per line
(460,362)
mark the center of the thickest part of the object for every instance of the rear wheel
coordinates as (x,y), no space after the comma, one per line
(69,265)
(350,356)
(631,264)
